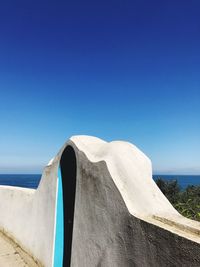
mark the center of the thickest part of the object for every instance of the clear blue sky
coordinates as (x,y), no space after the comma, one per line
(127,70)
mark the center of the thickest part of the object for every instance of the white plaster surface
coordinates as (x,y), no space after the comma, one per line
(28,216)
(131,171)
(121,216)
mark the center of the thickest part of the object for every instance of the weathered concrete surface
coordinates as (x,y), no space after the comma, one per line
(28,216)
(106,234)
(121,218)
(11,255)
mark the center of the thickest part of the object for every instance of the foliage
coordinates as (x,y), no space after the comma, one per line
(187,202)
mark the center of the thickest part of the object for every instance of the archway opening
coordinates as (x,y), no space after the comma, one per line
(68,173)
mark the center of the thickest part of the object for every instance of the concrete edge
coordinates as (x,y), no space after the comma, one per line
(27,257)
(179,225)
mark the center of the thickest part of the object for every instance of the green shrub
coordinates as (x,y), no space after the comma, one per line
(186,202)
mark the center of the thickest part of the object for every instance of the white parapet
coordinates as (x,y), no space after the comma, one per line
(97,205)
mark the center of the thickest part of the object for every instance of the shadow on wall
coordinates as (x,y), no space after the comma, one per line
(68,173)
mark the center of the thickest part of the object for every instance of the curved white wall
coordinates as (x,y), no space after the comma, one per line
(29,215)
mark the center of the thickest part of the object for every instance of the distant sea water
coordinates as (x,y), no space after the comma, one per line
(32,180)
(183,180)
(21,180)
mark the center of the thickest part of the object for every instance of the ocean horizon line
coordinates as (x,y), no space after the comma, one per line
(157,174)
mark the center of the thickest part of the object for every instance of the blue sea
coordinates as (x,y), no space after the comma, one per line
(22,180)
(32,180)
(183,180)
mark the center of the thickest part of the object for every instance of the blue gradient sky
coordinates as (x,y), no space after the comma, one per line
(125,70)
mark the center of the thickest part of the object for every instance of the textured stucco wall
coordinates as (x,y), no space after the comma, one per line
(28,216)
(121,218)
(106,234)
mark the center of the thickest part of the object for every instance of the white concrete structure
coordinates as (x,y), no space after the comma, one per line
(111,211)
